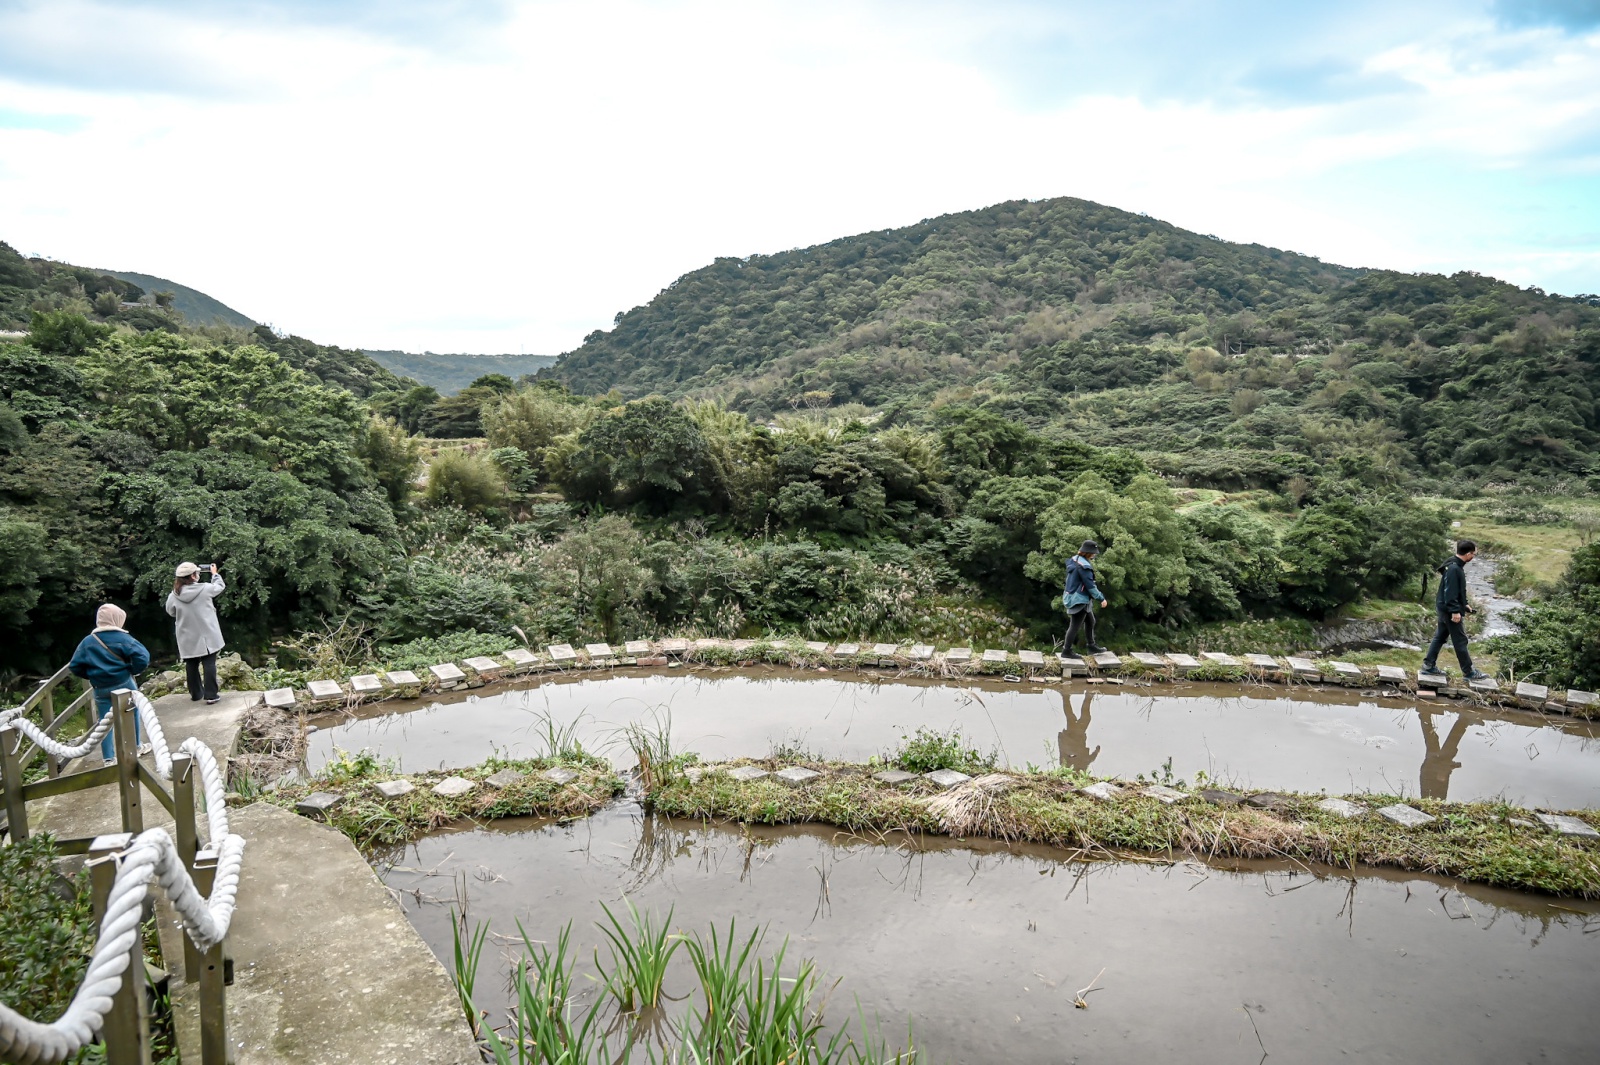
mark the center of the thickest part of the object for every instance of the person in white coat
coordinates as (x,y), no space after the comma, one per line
(193,607)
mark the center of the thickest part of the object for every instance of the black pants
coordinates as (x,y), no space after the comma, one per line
(1456,633)
(195,666)
(1080,619)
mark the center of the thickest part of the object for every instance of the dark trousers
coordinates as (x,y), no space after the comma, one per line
(1456,633)
(102,707)
(206,664)
(1080,620)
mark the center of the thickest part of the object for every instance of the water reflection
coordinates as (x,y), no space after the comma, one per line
(1439,760)
(1073,741)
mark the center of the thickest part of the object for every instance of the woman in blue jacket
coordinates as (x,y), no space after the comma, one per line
(108,658)
(1080,596)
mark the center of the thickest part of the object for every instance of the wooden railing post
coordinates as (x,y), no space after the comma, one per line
(123,728)
(126,1031)
(213,976)
(11,781)
(188,842)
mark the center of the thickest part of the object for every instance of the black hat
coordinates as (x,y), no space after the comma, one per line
(1088,547)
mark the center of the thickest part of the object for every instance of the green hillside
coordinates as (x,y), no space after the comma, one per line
(449,374)
(1223,363)
(195,306)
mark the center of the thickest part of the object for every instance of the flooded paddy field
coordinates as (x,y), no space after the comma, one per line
(1260,736)
(983,948)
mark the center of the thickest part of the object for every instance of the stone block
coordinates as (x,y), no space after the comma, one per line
(1183,663)
(1145,658)
(1304,667)
(816,647)
(1073,666)
(885,650)
(1219,797)
(323,691)
(1431,680)
(1568,826)
(993,657)
(1220,658)
(747,773)
(847,650)
(561,775)
(743,645)
(562,652)
(280,698)
(655,660)
(946,778)
(394,789)
(1393,674)
(1267,800)
(893,776)
(1533,693)
(1346,671)
(1164,793)
(599,650)
(1405,816)
(1342,808)
(709,645)
(1107,660)
(637,647)
(447,674)
(1104,790)
(366,683)
(451,787)
(1032,659)
(484,666)
(1263,662)
(1579,700)
(796,775)
(505,778)
(958,656)
(403,678)
(1484,684)
(521,658)
(674,646)
(318,803)
(921,652)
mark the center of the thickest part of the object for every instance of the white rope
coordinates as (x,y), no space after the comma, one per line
(211,779)
(88,742)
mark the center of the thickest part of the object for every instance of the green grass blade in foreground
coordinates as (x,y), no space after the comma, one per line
(639,957)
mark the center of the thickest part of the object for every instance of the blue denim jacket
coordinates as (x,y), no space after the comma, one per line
(1081,589)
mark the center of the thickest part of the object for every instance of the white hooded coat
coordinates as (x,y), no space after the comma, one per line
(195,610)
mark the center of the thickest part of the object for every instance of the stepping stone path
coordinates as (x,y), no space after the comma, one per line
(1031,658)
(1263,662)
(280,698)
(394,789)
(1107,660)
(1393,674)
(995,657)
(1104,791)
(366,683)
(847,650)
(1484,684)
(451,787)
(817,646)
(1405,816)
(1267,800)
(1304,667)
(921,652)
(957,656)
(1164,793)
(1073,666)
(1145,658)
(521,658)
(484,666)
(1586,700)
(674,647)
(562,652)
(893,776)
(561,775)
(1431,680)
(325,690)
(885,650)
(1220,798)
(318,803)
(403,678)
(1220,658)
(1347,670)
(946,778)
(1568,826)
(637,647)
(448,675)
(599,650)
(1342,808)
(747,773)
(796,775)
(504,779)
(1183,663)
(1535,693)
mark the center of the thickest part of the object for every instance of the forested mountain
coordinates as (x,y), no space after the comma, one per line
(1224,363)
(449,374)
(196,307)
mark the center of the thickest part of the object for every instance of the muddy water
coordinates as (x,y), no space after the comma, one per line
(1271,738)
(983,948)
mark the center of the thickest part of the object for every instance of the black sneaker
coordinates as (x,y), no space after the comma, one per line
(1431,671)
(1095,649)
(1478,674)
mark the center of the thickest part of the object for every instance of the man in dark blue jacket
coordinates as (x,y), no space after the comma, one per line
(109,658)
(1453,609)
(1079,596)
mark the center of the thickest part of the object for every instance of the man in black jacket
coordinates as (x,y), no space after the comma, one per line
(1453,610)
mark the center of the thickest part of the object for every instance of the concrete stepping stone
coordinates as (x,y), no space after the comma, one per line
(1034,659)
(1484,684)
(1183,663)
(637,647)
(796,775)
(817,647)
(1393,674)
(403,678)
(394,789)
(366,683)
(1267,800)
(709,645)
(561,775)
(1221,658)
(1342,808)
(599,650)
(1346,671)
(1532,693)
(743,645)
(318,803)
(995,657)
(847,650)
(1108,660)
(1263,662)
(885,650)
(1405,816)
(521,658)
(1145,658)
(674,647)
(280,698)
(921,652)
(1164,793)
(484,666)
(747,773)
(893,776)
(1579,700)
(1304,667)
(1568,826)
(1431,680)
(325,690)
(1073,666)
(562,652)
(505,778)
(1218,797)
(448,675)
(958,656)
(946,778)
(1103,790)
(451,787)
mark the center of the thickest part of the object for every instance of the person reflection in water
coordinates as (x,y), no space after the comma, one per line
(1073,740)
(1438,760)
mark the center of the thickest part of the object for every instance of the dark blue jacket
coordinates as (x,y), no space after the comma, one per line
(1453,586)
(1081,589)
(112,666)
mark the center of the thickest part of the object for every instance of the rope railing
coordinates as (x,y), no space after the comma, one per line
(151,856)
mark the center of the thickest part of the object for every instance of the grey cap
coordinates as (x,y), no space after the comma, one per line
(1088,547)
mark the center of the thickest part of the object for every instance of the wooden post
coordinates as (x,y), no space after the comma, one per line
(213,1016)
(11,780)
(188,843)
(52,767)
(126,1031)
(123,728)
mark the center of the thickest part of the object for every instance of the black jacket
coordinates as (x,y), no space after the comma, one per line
(1453,586)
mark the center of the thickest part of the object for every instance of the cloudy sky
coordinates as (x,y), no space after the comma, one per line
(465,176)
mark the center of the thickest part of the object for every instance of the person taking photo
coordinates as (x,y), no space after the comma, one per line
(192,605)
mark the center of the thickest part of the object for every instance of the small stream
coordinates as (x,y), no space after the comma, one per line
(1494,607)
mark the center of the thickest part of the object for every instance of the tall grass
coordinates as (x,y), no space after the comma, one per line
(651,743)
(640,952)
(559,742)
